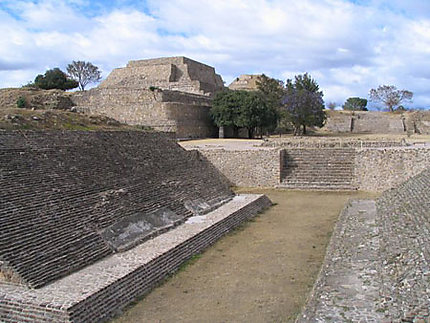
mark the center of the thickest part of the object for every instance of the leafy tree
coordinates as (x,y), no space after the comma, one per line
(256,112)
(242,109)
(355,104)
(271,89)
(390,96)
(303,103)
(84,73)
(54,79)
(225,109)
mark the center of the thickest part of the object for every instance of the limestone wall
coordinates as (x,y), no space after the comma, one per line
(381,169)
(247,167)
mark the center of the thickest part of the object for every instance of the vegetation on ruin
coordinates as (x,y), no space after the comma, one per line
(390,96)
(84,73)
(355,104)
(53,79)
(303,103)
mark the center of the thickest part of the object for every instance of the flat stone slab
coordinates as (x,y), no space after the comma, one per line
(347,288)
(97,291)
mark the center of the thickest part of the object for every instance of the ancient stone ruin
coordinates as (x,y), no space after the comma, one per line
(377,263)
(167,94)
(247,82)
(78,209)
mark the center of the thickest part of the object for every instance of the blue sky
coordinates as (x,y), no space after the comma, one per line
(349,47)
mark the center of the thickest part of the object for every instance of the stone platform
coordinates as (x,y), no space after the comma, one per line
(98,291)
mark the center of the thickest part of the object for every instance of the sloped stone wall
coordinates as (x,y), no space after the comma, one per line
(61,191)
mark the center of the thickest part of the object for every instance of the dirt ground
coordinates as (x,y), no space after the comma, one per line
(261,272)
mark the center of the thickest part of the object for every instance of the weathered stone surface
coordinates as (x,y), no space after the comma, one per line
(347,288)
(168,73)
(167,94)
(323,164)
(257,167)
(377,266)
(245,82)
(100,290)
(378,122)
(382,168)
(61,190)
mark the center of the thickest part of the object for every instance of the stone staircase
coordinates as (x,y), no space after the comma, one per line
(319,169)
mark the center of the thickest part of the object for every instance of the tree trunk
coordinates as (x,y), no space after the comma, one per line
(235,132)
(250,133)
(304,129)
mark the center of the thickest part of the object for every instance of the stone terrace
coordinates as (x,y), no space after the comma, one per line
(72,198)
(377,264)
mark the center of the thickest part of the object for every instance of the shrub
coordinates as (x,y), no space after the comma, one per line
(21,102)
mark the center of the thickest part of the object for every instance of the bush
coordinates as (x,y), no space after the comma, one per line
(21,102)
(54,79)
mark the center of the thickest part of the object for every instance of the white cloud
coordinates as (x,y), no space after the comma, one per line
(347,47)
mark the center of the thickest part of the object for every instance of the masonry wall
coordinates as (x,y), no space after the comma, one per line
(247,167)
(376,169)
(168,111)
(381,169)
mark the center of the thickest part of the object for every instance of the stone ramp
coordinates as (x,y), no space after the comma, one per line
(97,292)
(347,288)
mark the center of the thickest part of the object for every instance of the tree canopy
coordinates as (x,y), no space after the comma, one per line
(243,109)
(54,79)
(303,103)
(355,104)
(84,73)
(390,96)
(271,89)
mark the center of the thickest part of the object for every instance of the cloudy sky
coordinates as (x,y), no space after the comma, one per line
(349,47)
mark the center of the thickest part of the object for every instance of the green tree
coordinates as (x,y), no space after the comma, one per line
(54,79)
(242,109)
(256,113)
(390,96)
(271,89)
(355,104)
(84,73)
(303,103)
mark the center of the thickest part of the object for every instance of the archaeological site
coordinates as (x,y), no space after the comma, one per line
(93,219)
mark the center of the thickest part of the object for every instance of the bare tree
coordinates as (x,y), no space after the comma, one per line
(84,73)
(390,96)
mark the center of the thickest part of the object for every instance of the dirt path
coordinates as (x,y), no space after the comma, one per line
(259,273)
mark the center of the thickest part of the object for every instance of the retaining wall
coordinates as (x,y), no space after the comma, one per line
(247,167)
(384,168)
(373,169)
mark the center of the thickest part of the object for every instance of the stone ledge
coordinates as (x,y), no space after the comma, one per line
(97,292)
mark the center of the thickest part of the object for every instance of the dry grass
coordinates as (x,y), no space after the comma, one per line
(260,273)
